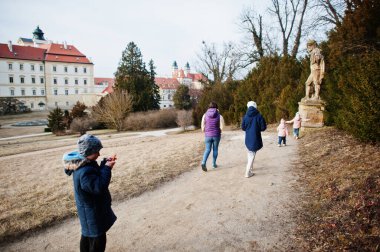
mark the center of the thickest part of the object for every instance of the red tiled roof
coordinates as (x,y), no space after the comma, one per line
(57,53)
(52,52)
(22,52)
(69,59)
(108,90)
(98,80)
(166,83)
(196,76)
(60,50)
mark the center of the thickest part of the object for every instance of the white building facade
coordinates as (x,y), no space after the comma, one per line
(45,75)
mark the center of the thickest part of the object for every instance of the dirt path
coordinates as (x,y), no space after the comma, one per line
(215,211)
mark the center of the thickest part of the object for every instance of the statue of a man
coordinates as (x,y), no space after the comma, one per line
(317,67)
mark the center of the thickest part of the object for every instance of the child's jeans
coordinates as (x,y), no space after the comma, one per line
(282,139)
(296,132)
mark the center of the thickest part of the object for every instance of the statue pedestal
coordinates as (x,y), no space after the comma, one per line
(312,110)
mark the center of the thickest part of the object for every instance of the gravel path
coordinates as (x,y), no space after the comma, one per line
(220,210)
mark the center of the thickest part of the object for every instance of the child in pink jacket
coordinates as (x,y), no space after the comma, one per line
(282,130)
(297,124)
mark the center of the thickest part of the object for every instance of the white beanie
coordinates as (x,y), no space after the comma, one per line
(251,104)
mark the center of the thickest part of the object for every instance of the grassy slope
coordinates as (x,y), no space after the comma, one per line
(340,184)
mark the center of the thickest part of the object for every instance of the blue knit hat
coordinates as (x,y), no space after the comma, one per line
(89,144)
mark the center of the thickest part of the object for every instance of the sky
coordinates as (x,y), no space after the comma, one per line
(164,30)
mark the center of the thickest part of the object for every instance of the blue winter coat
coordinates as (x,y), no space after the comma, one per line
(93,198)
(253,123)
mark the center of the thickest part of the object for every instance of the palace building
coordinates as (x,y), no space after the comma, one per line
(168,86)
(43,75)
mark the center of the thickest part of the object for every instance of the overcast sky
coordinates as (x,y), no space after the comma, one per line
(164,30)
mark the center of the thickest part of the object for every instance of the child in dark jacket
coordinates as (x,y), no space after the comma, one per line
(92,197)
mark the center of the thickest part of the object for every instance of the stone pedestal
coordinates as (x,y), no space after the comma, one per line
(312,110)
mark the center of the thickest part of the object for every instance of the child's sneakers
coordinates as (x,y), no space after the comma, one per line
(279,145)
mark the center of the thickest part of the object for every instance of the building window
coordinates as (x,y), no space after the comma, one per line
(22,79)
(12,92)
(31,105)
(76,91)
(85,91)
(55,81)
(65,69)
(54,69)
(84,70)
(41,80)
(66,81)
(10,66)
(85,81)
(42,92)
(56,104)
(76,69)
(21,66)
(76,81)
(33,80)
(32,67)
(10,79)
(66,92)
(34,92)
(41,68)
(23,92)
(67,103)
(55,92)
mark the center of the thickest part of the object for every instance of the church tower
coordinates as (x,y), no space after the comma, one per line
(187,69)
(175,70)
(38,34)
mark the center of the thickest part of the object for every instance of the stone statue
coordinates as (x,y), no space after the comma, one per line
(317,67)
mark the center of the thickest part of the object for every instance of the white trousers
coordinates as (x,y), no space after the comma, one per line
(251,157)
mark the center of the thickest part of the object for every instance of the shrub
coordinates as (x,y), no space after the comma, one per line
(151,120)
(82,124)
(184,119)
(113,109)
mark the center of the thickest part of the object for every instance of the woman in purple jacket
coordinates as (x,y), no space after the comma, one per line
(212,125)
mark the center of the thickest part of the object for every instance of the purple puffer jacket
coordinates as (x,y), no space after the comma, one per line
(212,123)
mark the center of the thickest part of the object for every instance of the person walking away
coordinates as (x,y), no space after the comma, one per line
(92,197)
(297,123)
(282,130)
(212,125)
(253,124)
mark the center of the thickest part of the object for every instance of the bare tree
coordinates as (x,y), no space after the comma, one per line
(288,12)
(184,119)
(113,109)
(330,11)
(222,65)
(253,24)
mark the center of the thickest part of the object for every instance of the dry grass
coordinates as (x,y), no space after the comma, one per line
(35,191)
(340,184)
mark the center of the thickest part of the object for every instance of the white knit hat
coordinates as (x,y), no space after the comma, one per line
(251,104)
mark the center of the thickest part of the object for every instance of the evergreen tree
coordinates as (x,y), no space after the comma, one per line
(181,98)
(55,120)
(79,110)
(155,96)
(132,76)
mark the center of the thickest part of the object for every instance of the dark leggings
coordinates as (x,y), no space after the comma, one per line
(93,244)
